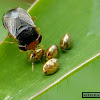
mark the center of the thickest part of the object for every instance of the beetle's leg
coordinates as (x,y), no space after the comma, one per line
(33,56)
(38,29)
(33,65)
(8,42)
(39,47)
(24,52)
(9,35)
(34,18)
(15,40)
(37,56)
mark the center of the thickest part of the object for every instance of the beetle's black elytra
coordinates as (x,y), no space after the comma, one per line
(27,35)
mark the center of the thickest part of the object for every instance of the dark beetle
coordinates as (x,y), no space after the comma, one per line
(22,28)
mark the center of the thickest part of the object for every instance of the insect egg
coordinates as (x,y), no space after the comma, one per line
(36,55)
(50,66)
(51,52)
(66,42)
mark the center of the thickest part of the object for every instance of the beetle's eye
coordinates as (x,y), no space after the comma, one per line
(30,29)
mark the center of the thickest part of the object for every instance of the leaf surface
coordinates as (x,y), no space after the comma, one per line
(55,18)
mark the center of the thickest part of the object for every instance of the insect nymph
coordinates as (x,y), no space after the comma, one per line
(22,28)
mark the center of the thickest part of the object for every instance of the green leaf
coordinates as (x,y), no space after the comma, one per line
(85,80)
(80,18)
